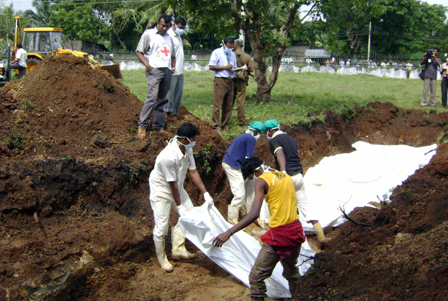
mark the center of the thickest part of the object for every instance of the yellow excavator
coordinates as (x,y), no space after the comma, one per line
(41,42)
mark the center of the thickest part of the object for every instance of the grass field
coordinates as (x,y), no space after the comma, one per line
(295,95)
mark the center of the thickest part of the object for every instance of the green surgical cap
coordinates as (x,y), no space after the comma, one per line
(271,123)
(257,125)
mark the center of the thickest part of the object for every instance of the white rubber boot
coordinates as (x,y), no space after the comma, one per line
(319,232)
(178,244)
(161,255)
(233,214)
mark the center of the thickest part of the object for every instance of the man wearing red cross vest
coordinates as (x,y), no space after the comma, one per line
(155,52)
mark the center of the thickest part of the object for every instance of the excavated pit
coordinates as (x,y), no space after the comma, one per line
(75,221)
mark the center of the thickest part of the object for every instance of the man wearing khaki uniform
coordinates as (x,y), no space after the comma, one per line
(222,62)
(241,79)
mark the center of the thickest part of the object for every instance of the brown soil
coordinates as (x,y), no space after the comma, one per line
(75,221)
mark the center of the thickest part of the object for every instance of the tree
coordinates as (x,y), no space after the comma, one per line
(266,24)
(42,15)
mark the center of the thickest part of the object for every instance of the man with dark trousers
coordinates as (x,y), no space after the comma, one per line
(222,62)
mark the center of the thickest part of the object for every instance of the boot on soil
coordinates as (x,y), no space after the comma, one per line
(161,255)
(319,232)
(141,133)
(178,244)
(233,214)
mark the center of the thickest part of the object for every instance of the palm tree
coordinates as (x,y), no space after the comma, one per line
(42,15)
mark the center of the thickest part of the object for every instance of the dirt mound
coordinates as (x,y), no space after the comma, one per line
(75,221)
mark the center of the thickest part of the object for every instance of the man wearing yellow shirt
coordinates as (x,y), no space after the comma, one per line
(283,241)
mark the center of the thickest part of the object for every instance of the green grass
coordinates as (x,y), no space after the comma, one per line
(296,97)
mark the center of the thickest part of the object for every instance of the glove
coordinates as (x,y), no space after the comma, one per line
(208,199)
(181,210)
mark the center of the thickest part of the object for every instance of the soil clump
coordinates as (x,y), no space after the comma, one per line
(75,220)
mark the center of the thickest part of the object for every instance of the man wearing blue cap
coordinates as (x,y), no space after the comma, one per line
(286,154)
(242,147)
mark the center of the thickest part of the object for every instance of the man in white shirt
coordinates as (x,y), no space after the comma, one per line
(177,80)
(222,62)
(166,185)
(20,62)
(156,52)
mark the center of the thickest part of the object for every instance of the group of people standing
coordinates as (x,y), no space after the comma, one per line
(160,50)
(252,183)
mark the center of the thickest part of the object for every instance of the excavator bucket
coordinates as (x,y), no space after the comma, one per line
(114,70)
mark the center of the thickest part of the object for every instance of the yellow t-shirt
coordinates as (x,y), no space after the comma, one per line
(281,198)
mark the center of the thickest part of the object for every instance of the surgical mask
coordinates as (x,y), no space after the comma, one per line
(269,137)
(187,146)
(252,133)
(227,50)
(179,31)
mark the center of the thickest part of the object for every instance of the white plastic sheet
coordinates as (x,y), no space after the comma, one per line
(369,174)
(237,256)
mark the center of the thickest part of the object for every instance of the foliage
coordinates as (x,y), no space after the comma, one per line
(40,18)
(397,25)
(16,139)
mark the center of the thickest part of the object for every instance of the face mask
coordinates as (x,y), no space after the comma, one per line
(252,133)
(187,146)
(179,31)
(269,137)
(227,50)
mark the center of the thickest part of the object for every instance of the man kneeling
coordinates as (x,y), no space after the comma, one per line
(283,241)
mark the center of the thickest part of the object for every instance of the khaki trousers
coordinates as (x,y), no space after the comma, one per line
(222,99)
(243,192)
(427,84)
(240,96)
(264,265)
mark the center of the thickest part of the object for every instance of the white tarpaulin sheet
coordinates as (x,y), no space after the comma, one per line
(346,181)
(368,174)
(237,256)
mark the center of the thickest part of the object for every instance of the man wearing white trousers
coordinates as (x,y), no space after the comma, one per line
(166,184)
(286,154)
(242,147)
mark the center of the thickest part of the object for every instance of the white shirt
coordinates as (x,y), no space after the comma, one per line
(171,165)
(178,50)
(22,56)
(157,49)
(220,58)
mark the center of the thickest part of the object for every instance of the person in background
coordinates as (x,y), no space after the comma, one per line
(20,62)
(222,62)
(431,63)
(241,80)
(444,73)
(166,185)
(155,52)
(177,80)
(242,147)
(286,154)
(284,239)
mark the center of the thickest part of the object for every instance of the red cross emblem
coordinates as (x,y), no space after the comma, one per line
(166,51)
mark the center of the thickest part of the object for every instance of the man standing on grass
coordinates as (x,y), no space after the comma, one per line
(241,80)
(283,241)
(177,81)
(286,154)
(166,185)
(155,52)
(444,73)
(222,62)
(242,147)
(431,63)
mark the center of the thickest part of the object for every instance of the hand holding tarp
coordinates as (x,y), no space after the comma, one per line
(182,211)
(208,199)
(221,239)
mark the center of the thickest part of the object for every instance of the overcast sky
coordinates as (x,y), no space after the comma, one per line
(26,4)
